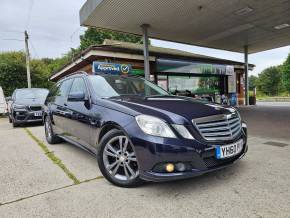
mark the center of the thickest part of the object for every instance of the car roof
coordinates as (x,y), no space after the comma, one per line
(82,73)
(73,75)
(120,75)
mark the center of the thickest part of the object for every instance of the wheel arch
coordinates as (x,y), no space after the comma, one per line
(106,128)
(44,116)
(47,113)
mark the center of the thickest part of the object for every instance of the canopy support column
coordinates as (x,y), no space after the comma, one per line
(246,75)
(146,51)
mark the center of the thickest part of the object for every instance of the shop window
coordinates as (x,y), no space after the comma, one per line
(162,81)
(194,85)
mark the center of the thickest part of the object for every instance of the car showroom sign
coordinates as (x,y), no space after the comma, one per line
(111,68)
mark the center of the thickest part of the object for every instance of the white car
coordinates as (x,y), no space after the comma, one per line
(3,104)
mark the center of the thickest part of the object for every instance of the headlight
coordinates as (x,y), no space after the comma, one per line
(239,115)
(154,126)
(19,106)
(235,110)
(244,125)
(182,130)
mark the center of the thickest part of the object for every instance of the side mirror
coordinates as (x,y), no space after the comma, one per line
(8,99)
(77,96)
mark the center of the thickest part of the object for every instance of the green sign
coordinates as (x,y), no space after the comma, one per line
(176,66)
(139,72)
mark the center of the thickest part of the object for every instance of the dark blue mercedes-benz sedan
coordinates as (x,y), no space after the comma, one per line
(140,132)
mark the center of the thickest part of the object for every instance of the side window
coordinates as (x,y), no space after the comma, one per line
(54,90)
(64,88)
(78,86)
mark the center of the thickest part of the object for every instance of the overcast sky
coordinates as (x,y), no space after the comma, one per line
(53,26)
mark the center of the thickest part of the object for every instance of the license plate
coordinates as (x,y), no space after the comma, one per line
(38,114)
(226,151)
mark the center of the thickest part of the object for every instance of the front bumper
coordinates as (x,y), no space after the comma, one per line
(162,177)
(151,151)
(25,116)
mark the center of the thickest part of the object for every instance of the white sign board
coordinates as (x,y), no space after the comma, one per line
(232,83)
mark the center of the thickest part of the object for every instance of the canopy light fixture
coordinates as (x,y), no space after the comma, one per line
(281,26)
(244,11)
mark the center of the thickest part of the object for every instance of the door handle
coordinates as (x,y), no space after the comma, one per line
(65,104)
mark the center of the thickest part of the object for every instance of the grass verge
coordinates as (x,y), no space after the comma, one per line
(53,157)
(46,192)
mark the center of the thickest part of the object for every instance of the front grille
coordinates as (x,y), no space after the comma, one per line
(219,127)
(212,162)
(20,117)
(35,108)
(34,118)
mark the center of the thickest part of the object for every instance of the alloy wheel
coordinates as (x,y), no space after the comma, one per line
(120,160)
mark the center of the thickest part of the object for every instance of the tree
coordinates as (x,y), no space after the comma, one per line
(286,74)
(253,80)
(40,73)
(269,81)
(94,36)
(13,72)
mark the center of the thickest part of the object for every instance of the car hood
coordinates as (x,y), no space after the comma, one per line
(29,102)
(173,109)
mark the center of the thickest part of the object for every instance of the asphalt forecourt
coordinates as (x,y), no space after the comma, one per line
(61,180)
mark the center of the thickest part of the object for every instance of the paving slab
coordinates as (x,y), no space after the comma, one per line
(257,186)
(82,164)
(25,169)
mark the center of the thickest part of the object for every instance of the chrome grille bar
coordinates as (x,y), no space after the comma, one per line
(215,129)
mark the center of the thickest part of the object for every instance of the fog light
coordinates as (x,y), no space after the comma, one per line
(180,167)
(169,168)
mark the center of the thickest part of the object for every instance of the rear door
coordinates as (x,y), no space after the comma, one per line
(57,105)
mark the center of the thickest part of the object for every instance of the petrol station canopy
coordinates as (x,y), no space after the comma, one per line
(222,24)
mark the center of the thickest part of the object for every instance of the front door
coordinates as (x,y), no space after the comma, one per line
(79,123)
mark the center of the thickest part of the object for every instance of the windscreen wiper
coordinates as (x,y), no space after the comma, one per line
(159,96)
(122,96)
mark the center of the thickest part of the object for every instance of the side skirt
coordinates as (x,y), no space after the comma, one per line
(91,151)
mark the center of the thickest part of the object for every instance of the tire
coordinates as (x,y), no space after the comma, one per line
(118,164)
(51,138)
(14,124)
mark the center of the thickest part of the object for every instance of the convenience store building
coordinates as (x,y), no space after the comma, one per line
(178,72)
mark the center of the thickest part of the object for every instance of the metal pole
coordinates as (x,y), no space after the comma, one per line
(27,60)
(146,51)
(246,76)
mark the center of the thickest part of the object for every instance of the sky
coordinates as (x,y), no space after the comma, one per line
(53,27)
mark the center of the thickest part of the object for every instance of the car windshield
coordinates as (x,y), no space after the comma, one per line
(113,86)
(31,94)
